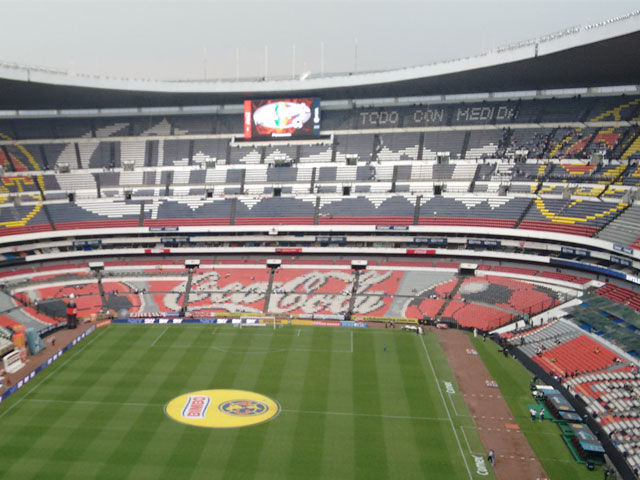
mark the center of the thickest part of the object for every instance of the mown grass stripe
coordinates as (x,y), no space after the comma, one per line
(370,455)
(184,449)
(360,415)
(129,373)
(44,420)
(306,458)
(134,441)
(271,369)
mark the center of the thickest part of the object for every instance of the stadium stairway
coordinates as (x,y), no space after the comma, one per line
(525,212)
(545,336)
(453,293)
(633,148)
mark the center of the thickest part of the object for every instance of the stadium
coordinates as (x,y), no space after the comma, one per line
(372,275)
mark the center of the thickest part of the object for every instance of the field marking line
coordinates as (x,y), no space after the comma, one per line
(44,379)
(159,336)
(444,402)
(258,334)
(453,404)
(214,330)
(310,412)
(455,410)
(466,439)
(95,402)
(298,332)
(373,415)
(351,332)
(250,349)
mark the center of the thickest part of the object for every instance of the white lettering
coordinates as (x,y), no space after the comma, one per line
(305,293)
(428,116)
(481,468)
(449,388)
(379,118)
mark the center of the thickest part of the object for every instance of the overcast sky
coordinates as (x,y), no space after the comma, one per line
(189,39)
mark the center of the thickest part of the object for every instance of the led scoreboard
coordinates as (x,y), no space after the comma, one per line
(284,118)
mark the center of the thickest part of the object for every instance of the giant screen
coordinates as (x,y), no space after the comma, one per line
(285,118)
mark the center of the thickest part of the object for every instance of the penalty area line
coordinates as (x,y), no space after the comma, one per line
(159,336)
(466,439)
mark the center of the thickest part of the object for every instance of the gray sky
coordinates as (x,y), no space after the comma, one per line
(184,39)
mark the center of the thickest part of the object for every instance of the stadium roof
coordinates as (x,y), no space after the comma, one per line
(607,54)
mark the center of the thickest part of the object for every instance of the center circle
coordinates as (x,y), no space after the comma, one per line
(222,408)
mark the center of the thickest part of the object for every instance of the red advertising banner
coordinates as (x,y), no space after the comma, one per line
(421,251)
(288,250)
(247,119)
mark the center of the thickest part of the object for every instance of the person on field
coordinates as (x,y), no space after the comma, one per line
(533,413)
(492,457)
(541,414)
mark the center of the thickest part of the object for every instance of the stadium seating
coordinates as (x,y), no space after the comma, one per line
(507,293)
(611,397)
(501,212)
(624,229)
(143,286)
(578,355)
(623,296)
(577,217)
(471,315)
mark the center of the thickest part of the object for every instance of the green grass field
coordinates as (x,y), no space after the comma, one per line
(545,439)
(348,408)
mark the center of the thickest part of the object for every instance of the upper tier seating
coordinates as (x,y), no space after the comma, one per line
(624,229)
(496,211)
(578,217)
(170,184)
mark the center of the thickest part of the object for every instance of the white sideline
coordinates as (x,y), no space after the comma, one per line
(71,357)
(444,402)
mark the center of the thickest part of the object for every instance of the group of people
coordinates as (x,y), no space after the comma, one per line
(534,414)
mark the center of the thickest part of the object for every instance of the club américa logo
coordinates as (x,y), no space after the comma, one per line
(196,406)
(222,408)
(243,408)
